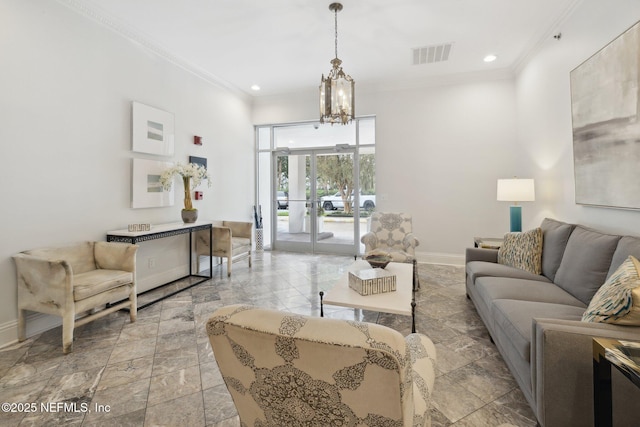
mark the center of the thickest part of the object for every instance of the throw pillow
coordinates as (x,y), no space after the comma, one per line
(618,300)
(522,250)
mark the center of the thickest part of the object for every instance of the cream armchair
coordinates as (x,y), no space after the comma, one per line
(231,240)
(76,282)
(285,369)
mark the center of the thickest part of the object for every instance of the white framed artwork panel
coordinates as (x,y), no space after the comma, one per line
(146,191)
(153,130)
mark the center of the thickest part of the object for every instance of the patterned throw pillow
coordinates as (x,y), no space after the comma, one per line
(522,250)
(618,300)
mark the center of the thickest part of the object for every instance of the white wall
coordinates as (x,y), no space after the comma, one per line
(441,149)
(439,152)
(544,112)
(66,85)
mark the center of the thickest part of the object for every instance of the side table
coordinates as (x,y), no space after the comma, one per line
(488,242)
(603,358)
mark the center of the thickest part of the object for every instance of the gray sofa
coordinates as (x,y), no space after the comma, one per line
(535,321)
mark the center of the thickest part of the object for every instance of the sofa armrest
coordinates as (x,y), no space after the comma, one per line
(44,282)
(410,241)
(115,256)
(370,241)
(422,354)
(222,241)
(562,370)
(481,254)
(239,229)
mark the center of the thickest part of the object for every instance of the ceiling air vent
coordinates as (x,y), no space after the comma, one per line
(431,54)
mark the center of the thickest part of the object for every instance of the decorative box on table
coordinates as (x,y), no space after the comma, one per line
(372,281)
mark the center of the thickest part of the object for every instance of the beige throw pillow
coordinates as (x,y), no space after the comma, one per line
(618,300)
(522,250)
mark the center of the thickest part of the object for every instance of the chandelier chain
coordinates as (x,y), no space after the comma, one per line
(336,29)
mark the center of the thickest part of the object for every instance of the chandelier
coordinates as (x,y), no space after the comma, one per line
(337,90)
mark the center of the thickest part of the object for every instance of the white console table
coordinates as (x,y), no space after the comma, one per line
(161,231)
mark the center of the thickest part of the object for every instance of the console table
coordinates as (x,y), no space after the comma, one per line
(161,231)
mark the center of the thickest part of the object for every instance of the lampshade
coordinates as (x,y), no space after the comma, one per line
(516,190)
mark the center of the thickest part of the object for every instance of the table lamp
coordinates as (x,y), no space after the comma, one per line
(516,190)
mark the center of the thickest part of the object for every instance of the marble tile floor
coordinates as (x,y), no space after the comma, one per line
(160,370)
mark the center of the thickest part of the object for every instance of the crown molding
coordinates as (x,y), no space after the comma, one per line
(93,12)
(543,37)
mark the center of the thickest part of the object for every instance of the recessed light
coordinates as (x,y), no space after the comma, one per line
(255,87)
(490,58)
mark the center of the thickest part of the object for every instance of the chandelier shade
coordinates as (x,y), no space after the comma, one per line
(337,90)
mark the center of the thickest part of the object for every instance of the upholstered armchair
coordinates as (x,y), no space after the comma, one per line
(231,240)
(391,234)
(285,369)
(77,282)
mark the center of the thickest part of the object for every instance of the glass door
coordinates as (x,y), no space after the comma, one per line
(315,200)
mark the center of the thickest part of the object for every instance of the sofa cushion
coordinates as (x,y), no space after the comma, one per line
(618,300)
(477,269)
(95,282)
(586,262)
(515,319)
(522,250)
(628,245)
(555,235)
(494,288)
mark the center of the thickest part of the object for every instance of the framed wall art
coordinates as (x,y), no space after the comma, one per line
(202,161)
(152,130)
(605,109)
(147,192)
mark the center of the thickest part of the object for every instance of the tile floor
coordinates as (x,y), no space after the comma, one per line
(161,371)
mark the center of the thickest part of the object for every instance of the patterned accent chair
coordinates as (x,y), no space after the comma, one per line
(288,370)
(231,239)
(392,234)
(76,282)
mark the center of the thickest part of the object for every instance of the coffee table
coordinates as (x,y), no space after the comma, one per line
(400,301)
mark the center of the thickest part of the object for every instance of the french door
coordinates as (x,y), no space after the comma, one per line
(311,176)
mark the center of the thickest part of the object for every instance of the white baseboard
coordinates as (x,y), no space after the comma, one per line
(440,258)
(36,324)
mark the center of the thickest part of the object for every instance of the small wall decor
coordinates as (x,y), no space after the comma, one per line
(147,191)
(202,161)
(605,107)
(197,140)
(152,130)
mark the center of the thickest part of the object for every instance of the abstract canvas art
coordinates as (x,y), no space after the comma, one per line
(146,190)
(605,106)
(152,130)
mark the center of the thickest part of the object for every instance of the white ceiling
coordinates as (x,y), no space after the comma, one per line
(285,45)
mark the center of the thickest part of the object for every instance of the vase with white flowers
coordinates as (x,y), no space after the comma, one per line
(192,175)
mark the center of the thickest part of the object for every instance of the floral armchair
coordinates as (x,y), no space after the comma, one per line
(284,369)
(76,282)
(391,234)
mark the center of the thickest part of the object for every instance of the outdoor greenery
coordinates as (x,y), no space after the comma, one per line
(334,175)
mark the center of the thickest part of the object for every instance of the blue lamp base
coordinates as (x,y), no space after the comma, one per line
(515,215)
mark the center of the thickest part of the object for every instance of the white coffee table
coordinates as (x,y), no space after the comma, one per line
(400,301)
